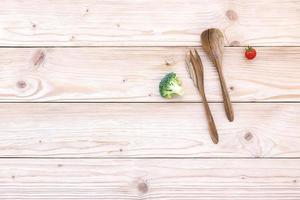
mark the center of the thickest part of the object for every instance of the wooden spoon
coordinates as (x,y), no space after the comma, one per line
(213,43)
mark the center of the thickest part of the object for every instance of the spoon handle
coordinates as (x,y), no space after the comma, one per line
(226,98)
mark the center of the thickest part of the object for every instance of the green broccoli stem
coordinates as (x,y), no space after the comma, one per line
(177,89)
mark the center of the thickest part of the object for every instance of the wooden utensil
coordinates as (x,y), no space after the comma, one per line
(196,72)
(213,43)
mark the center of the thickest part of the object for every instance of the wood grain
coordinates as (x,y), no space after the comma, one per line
(150,149)
(147,23)
(146,130)
(213,44)
(177,179)
(133,74)
(197,75)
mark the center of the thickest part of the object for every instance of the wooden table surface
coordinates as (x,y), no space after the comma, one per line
(82,118)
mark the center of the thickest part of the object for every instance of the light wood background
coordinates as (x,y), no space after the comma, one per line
(82,118)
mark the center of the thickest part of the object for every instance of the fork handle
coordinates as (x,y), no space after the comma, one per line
(226,98)
(211,123)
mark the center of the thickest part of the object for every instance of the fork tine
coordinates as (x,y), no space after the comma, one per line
(195,67)
(197,55)
(191,54)
(190,68)
(198,58)
(193,59)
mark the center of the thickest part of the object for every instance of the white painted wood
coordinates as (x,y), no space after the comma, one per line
(141,131)
(147,23)
(151,179)
(147,130)
(133,74)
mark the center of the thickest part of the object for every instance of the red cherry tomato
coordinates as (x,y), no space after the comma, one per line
(250,53)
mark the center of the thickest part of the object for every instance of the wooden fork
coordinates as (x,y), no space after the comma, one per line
(197,74)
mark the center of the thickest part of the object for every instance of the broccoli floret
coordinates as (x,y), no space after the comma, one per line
(170,86)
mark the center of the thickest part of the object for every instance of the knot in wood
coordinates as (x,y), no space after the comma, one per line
(235,43)
(170,61)
(39,57)
(143,187)
(248,136)
(231,15)
(21,84)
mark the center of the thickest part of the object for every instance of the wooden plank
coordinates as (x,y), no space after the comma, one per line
(133,74)
(177,179)
(147,130)
(144,22)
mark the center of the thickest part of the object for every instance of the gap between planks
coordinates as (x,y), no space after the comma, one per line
(142,46)
(147,102)
(151,158)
